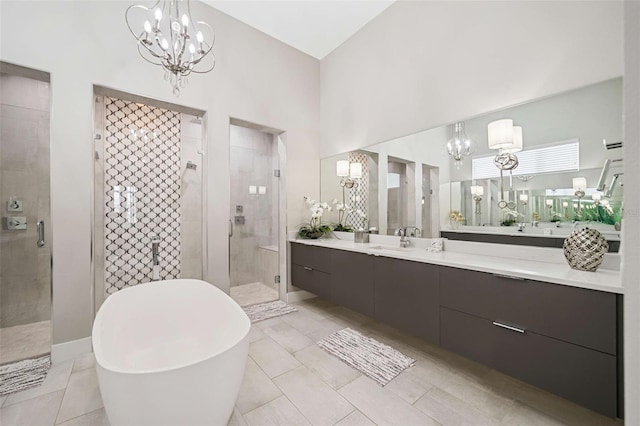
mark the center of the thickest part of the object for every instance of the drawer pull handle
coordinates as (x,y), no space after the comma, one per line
(508,327)
(307,268)
(511,277)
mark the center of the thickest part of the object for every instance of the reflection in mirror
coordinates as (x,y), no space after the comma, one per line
(562,138)
(350,186)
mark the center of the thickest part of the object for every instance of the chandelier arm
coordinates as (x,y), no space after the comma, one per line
(209,69)
(213,38)
(148,49)
(146,59)
(184,45)
(139,6)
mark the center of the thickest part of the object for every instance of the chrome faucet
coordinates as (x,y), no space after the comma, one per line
(404,240)
(155,249)
(415,233)
(521,226)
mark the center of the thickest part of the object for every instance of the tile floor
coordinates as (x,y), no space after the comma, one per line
(290,381)
(25,341)
(251,294)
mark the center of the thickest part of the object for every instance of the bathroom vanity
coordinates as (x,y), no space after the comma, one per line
(543,323)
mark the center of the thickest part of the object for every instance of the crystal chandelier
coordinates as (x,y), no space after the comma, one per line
(169,37)
(460,146)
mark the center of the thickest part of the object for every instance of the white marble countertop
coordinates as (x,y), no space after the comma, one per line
(553,272)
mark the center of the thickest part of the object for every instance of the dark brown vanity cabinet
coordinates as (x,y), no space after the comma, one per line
(310,269)
(563,339)
(556,337)
(352,280)
(406,296)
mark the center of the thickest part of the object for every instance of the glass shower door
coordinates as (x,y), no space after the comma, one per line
(25,237)
(253,241)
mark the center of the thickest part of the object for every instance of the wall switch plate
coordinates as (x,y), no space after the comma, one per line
(239,209)
(14,205)
(15,223)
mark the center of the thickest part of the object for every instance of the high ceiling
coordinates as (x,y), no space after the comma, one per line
(312,26)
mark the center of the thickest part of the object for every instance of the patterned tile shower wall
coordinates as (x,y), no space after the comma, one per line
(358,195)
(142,192)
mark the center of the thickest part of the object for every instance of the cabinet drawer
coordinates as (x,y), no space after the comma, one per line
(580,316)
(406,296)
(585,376)
(316,282)
(317,258)
(352,281)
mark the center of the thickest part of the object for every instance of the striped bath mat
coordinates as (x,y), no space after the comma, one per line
(23,375)
(263,311)
(375,360)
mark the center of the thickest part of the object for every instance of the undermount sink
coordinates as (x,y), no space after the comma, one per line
(392,248)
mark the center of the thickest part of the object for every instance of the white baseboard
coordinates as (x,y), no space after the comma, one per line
(70,350)
(297,296)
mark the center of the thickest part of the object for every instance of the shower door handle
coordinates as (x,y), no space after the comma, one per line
(230,228)
(40,226)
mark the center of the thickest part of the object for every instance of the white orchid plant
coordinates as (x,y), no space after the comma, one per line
(511,217)
(344,211)
(315,229)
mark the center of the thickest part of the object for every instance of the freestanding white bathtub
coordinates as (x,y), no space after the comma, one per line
(170,353)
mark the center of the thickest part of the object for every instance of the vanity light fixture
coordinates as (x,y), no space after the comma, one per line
(507,139)
(168,36)
(524,199)
(460,146)
(579,185)
(477,191)
(348,172)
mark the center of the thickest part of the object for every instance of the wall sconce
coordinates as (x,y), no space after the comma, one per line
(550,207)
(460,146)
(524,199)
(348,172)
(507,139)
(579,184)
(477,192)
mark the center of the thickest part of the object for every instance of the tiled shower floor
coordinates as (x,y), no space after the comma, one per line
(289,380)
(25,341)
(250,294)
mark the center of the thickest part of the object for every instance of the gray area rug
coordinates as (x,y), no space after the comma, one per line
(24,374)
(263,311)
(375,360)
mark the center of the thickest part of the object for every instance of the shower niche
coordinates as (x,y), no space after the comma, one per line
(148,190)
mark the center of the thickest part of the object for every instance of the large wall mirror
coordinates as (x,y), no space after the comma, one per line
(570,168)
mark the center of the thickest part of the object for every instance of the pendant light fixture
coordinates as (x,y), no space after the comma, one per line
(168,36)
(460,146)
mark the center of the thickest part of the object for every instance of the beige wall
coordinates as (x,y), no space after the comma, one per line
(420,65)
(84,43)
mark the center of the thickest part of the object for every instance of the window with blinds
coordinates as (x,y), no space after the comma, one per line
(561,157)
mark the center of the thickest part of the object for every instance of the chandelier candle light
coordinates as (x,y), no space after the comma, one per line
(168,36)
